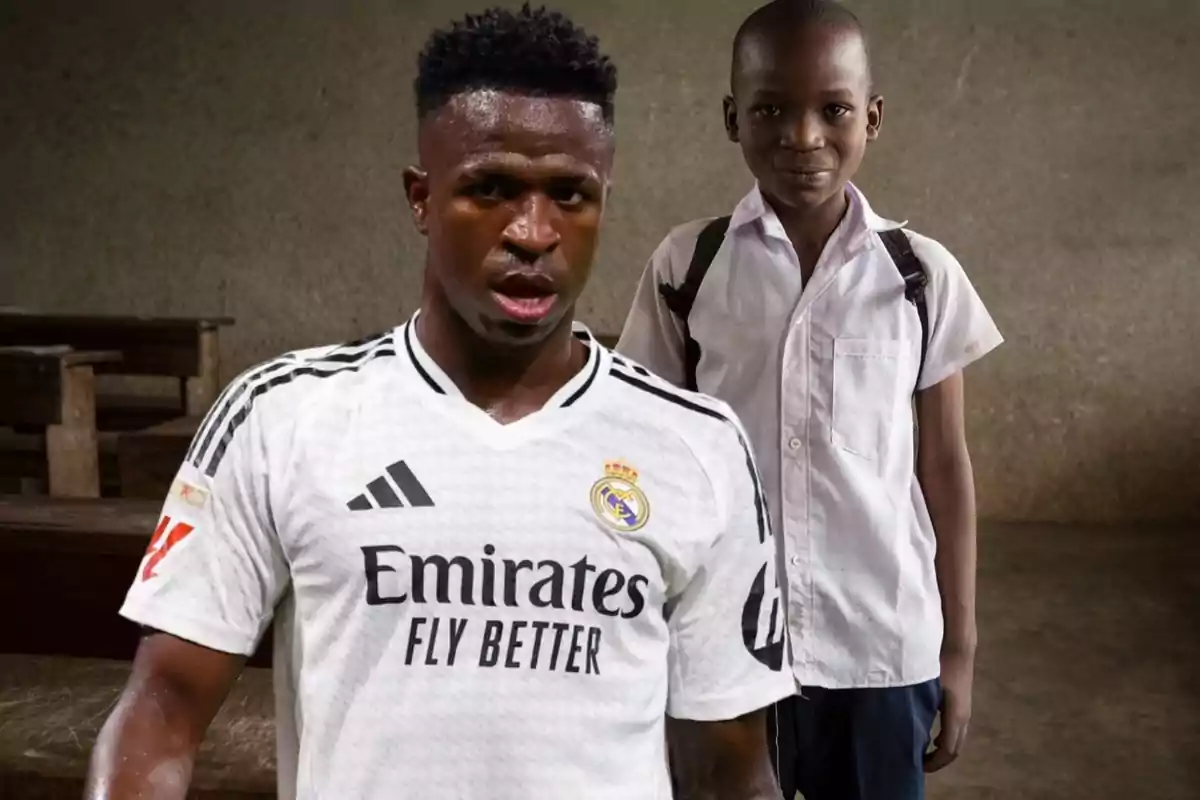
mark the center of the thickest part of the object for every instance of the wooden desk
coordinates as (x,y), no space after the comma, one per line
(53,388)
(148,459)
(65,567)
(180,347)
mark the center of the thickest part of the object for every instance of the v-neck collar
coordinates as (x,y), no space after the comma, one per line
(567,395)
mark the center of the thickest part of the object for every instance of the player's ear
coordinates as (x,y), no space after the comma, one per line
(416,188)
(874,117)
(731,119)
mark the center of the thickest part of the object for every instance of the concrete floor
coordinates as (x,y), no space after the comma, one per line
(1087,686)
(1088,681)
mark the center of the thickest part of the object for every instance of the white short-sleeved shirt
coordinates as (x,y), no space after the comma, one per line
(464,608)
(823,377)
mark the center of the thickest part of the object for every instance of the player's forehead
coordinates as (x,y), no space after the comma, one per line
(487,126)
(812,57)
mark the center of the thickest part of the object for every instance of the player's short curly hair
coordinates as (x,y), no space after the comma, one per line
(531,51)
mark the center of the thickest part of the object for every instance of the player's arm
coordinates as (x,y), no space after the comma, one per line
(147,747)
(726,760)
(728,641)
(653,335)
(207,588)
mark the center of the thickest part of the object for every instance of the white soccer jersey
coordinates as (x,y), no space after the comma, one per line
(465,609)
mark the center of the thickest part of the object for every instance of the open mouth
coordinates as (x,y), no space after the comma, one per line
(525,297)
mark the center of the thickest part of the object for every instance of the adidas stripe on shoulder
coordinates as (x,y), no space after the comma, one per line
(637,376)
(234,404)
(640,378)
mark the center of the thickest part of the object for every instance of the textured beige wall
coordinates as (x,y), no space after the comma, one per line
(177,157)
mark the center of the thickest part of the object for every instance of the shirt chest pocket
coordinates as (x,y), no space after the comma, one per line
(866,376)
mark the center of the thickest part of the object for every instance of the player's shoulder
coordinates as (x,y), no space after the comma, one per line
(709,425)
(275,395)
(326,373)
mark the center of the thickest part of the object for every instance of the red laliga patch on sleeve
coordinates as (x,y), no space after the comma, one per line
(165,537)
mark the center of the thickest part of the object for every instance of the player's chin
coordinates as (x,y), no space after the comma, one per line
(505,330)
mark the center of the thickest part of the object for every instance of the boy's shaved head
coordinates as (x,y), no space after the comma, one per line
(802,106)
(779,19)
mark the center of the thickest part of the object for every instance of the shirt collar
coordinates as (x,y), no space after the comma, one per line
(860,222)
(440,383)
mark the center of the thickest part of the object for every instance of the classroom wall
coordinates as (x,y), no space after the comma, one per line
(172,157)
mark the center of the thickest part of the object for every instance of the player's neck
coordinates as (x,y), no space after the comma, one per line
(505,381)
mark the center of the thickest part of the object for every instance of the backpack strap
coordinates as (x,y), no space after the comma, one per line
(680,299)
(913,272)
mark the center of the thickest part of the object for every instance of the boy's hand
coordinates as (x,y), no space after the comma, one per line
(958,675)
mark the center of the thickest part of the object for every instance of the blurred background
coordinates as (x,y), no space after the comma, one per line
(243,160)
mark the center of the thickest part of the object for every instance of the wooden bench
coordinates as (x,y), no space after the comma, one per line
(65,568)
(181,347)
(148,459)
(52,389)
(52,710)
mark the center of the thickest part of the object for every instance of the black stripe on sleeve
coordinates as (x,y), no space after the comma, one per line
(220,409)
(302,369)
(672,396)
(217,415)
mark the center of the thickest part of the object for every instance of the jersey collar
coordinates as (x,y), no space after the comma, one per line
(569,394)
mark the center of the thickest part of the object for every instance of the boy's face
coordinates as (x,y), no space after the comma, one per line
(510,194)
(803,112)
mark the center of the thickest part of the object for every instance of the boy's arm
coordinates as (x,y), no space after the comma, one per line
(961,332)
(653,335)
(944,472)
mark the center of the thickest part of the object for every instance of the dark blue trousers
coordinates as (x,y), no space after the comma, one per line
(854,744)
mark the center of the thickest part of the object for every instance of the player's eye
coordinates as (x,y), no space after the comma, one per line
(568,194)
(837,111)
(492,189)
(766,110)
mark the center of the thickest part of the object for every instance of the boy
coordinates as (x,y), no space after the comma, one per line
(811,323)
(466,529)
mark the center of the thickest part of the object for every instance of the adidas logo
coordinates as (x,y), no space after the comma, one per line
(388,493)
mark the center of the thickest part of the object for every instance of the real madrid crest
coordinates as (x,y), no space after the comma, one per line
(618,500)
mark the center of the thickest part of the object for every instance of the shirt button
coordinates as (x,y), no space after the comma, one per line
(795,443)
(795,561)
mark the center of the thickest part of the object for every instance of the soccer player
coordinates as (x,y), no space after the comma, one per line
(495,554)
